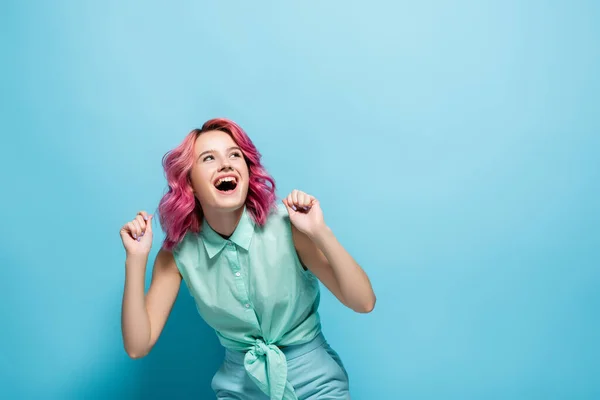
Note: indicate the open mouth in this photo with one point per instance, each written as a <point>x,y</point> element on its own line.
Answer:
<point>226,184</point>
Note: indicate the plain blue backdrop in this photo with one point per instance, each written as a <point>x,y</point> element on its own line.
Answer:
<point>455,148</point>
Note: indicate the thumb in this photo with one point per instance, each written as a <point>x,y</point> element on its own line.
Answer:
<point>149,224</point>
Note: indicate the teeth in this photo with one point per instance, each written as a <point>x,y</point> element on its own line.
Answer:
<point>226,179</point>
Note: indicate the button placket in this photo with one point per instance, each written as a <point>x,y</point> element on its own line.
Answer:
<point>234,262</point>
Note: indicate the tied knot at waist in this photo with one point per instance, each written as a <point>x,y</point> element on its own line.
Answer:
<point>261,348</point>
<point>267,367</point>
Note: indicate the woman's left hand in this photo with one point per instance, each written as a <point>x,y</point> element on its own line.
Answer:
<point>305,212</point>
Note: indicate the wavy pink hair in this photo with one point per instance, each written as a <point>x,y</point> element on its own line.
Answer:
<point>179,210</point>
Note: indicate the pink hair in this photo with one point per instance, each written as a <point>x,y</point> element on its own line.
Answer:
<point>180,211</point>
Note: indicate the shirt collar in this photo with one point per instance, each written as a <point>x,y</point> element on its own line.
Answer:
<point>242,235</point>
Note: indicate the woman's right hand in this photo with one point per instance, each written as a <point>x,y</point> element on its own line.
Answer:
<point>137,234</point>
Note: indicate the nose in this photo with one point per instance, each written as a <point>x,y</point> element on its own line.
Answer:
<point>225,165</point>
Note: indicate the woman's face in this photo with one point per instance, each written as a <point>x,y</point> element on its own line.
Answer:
<point>219,175</point>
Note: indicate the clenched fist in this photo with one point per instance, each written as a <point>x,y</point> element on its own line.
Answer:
<point>137,234</point>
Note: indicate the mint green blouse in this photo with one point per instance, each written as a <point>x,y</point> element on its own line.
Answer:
<point>254,292</point>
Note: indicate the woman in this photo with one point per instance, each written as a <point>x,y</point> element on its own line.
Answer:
<point>253,268</point>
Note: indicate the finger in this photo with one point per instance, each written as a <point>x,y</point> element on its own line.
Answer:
<point>305,200</point>
<point>144,215</point>
<point>295,197</point>
<point>290,206</point>
<point>137,231</point>
<point>149,224</point>
<point>125,230</point>
<point>287,205</point>
<point>301,201</point>
<point>300,197</point>
<point>290,202</point>
<point>130,229</point>
<point>142,223</point>
<point>141,228</point>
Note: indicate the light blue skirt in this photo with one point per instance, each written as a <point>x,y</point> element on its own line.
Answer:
<point>314,369</point>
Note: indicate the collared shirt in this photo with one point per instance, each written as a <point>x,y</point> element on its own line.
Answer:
<point>254,292</point>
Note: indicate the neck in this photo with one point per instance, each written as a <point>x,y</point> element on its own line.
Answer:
<point>223,222</point>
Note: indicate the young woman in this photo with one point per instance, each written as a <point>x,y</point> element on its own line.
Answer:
<point>252,266</point>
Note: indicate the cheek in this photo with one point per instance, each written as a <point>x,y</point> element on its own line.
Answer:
<point>200,181</point>
<point>246,179</point>
<point>244,171</point>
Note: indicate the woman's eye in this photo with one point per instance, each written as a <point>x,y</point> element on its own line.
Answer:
<point>207,158</point>
<point>236,154</point>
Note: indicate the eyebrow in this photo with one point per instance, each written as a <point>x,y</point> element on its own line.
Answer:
<point>212,151</point>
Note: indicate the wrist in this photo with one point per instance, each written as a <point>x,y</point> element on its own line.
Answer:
<point>320,234</point>
<point>136,259</point>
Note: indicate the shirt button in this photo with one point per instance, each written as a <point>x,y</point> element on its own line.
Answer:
<point>237,274</point>
<point>247,305</point>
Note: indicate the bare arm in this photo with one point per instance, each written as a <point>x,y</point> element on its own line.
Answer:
<point>322,253</point>
<point>334,266</point>
<point>143,316</point>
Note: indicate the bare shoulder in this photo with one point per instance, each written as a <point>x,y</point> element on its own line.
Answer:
<point>302,243</point>
<point>165,263</point>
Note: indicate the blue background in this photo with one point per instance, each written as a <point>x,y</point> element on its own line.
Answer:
<point>455,147</point>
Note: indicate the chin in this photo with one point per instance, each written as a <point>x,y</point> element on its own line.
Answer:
<point>229,201</point>
<point>228,206</point>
